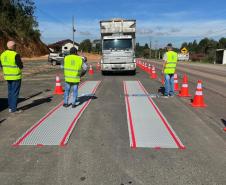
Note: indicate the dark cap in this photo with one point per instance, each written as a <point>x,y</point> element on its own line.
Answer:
<point>169,45</point>
<point>73,50</point>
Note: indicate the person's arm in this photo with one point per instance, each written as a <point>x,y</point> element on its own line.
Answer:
<point>84,68</point>
<point>19,62</point>
<point>164,62</point>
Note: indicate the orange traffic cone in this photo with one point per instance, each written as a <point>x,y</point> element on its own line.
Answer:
<point>153,73</point>
<point>149,69</point>
<point>145,67</point>
<point>225,129</point>
<point>91,72</point>
<point>176,85</point>
<point>163,80</point>
<point>184,92</point>
<point>198,100</point>
<point>58,88</point>
<point>98,66</point>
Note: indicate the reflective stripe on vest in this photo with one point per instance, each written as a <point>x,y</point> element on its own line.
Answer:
<point>171,62</point>
<point>10,70</point>
<point>72,68</point>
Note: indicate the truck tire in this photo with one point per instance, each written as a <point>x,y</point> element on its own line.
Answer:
<point>103,73</point>
<point>54,62</point>
<point>133,72</point>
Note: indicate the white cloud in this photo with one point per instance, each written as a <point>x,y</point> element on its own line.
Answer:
<point>52,31</point>
<point>183,28</point>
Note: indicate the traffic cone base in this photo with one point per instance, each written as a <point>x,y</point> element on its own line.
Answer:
<point>163,80</point>
<point>198,100</point>
<point>201,105</point>
<point>184,92</point>
<point>91,72</point>
<point>181,95</point>
<point>176,84</point>
<point>58,88</point>
<point>153,73</point>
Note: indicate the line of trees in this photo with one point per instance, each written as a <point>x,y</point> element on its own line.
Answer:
<point>204,50</point>
<point>17,19</point>
<point>87,46</point>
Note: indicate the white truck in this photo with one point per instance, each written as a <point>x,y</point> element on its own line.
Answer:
<point>118,45</point>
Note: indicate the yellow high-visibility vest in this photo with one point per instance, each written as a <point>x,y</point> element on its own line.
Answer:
<point>10,70</point>
<point>171,62</point>
<point>72,68</point>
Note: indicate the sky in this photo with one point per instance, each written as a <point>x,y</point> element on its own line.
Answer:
<point>158,21</point>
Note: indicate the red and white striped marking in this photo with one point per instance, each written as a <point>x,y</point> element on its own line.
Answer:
<point>56,127</point>
<point>147,125</point>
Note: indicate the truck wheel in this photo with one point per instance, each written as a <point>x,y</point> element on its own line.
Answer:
<point>54,62</point>
<point>103,73</point>
<point>133,72</point>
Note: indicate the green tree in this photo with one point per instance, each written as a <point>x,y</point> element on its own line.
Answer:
<point>85,46</point>
<point>222,43</point>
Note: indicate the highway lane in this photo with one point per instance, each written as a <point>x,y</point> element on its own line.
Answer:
<point>98,151</point>
<point>214,86</point>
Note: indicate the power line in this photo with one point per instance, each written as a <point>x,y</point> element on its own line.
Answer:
<point>52,17</point>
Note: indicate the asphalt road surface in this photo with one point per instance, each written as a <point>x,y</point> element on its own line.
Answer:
<point>98,151</point>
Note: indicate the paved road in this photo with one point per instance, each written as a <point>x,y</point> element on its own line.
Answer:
<point>214,82</point>
<point>98,152</point>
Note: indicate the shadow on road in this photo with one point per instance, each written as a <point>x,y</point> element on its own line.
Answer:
<point>119,73</point>
<point>85,98</point>
<point>224,122</point>
<point>1,121</point>
<point>161,90</point>
<point>4,101</point>
<point>36,103</point>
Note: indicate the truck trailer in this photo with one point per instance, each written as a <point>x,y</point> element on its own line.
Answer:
<point>118,45</point>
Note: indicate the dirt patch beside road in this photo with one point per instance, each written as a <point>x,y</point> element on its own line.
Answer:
<point>40,64</point>
<point>34,67</point>
<point>91,57</point>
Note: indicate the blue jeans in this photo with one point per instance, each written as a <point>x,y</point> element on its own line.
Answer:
<point>169,84</point>
<point>68,87</point>
<point>13,93</point>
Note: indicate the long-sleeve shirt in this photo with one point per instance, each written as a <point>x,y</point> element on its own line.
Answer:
<point>18,61</point>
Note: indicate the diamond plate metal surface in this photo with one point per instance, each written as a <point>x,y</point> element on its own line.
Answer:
<point>53,130</point>
<point>149,129</point>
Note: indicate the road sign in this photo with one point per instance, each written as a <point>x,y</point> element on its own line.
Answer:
<point>184,50</point>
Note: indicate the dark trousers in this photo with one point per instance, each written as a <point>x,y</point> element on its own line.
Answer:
<point>13,93</point>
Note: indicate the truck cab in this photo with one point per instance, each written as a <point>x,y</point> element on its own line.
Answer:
<point>118,44</point>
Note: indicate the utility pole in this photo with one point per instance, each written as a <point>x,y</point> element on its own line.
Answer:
<point>156,52</point>
<point>73,30</point>
<point>150,50</point>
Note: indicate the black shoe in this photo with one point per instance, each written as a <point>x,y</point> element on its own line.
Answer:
<point>65,105</point>
<point>17,111</point>
<point>73,106</point>
<point>165,96</point>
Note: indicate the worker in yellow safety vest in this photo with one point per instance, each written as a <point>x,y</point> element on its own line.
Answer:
<point>169,68</point>
<point>74,68</point>
<point>12,66</point>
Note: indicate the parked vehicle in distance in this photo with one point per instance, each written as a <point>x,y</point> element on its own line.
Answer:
<point>118,45</point>
<point>56,58</point>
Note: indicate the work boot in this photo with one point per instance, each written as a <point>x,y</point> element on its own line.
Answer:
<point>73,106</point>
<point>65,105</point>
<point>18,111</point>
<point>165,96</point>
